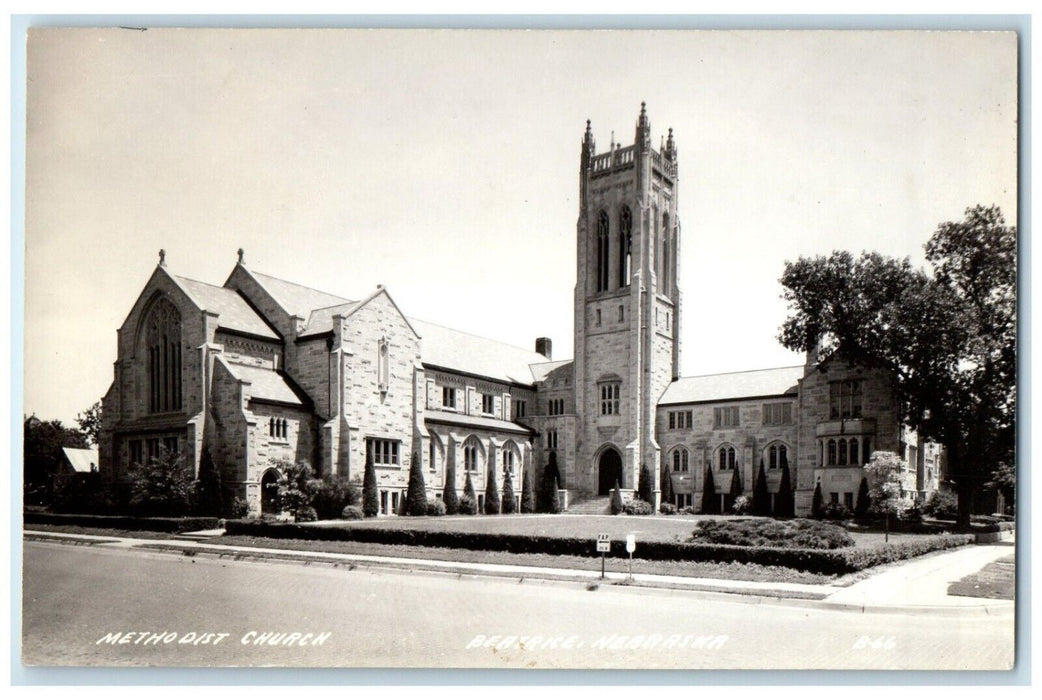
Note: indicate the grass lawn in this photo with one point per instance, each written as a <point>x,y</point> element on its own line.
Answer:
<point>996,580</point>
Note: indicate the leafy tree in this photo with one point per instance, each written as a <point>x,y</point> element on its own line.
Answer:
<point>644,486</point>
<point>416,498</point>
<point>334,495</point>
<point>1004,480</point>
<point>555,499</point>
<point>90,422</point>
<point>370,496</point>
<point>491,492</point>
<point>509,504</point>
<point>947,340</point>
<point>527,492</point>
<point>817,507</point>
<point>616,500</point>
<point>710,500</point>
<point>42,451</point>
<point>667,486</point>
<point>208,492</point>
<point>784,505</point>
<point>864,499</point>
<point>297,487</point>
<point>883,472</point>
<point>162,487</point>
<point>761,496</point>
<point>450,497</point>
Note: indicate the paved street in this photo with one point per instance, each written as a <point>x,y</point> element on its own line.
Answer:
<point>106,606</point>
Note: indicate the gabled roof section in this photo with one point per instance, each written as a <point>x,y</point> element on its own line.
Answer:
<point>321,320</point>
<point>233,313</point>
<point>81,459</point>
<point>733,386</point>
<point>542,370</point>
<point>268,384</point>
<point>296,299</point>
<point>472,354</point>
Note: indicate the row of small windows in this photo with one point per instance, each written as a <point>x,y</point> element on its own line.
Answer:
<point>729,416</point>
<point>278,428</point>
<point>725,417</point>
<point>845,399</point>
<point>382,452</point>
<point>679,420</point>
<point>843,451</point>
<point>610,398</point>
<point>555,407</point>
<point>151,448</point>
<point>726,457</point>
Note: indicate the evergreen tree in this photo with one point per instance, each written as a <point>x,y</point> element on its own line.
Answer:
<point>509,506</point>
<point>416,500</point>
<point>667,486</point>
<point>817,508</point>
<point>555,499</point>
<point>864,500</point>
<point>551,476</point>
<point>783,503</point>
<point>710,501</point>
<point>528,504</point>
<point>370,498</point>
<point>208,494</point>
<point>644,485</point>
<point>616,500</point>
<point>761,497</point>
<point>491,493</point>
<point>450,497</point>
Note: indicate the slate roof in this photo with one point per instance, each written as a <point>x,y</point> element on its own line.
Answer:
<point>321,320</point>
<point>472,354</point>
<point>483,422</point>
<point>733,386</point>
<point>267,384</point>
<point>297,299</point>
<point>543,369</point>
<point>232,310</point>
<point>81,459</point>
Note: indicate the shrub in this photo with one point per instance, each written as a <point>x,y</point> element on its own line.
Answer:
<point>416,499</point>
<point>616,500</point>
<point>710,501</point>
<point>84,493</point>
<point>941,505</point>
<point>644,485</point>
<point>689,510</point>
<point>468,505</point>
<point>333,495</point>
<point>122,522</point>
<point>297,487</point>
<point>742,505</point>
<point>554,505</point>
<point>667,509</point>
<point>836,511</point>
<point>864,500</point>
<point>450,497</point>
<point>491,493</point>
<point>784,505</point>
<point>638,507</point>
<point>509,504</point>
<point>799,533</point>
<point>761,496</point>
<point>352,513</point>
<point>370,496</point>
<point>306,514</point>
<point>163,487</point>
<point>435,507</point>
<point>238,508</point>
<point>527,492</point>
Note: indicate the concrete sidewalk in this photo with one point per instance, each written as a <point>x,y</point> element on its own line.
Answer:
<point>916,585</point>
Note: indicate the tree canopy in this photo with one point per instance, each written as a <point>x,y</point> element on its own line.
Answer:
<point>90,422</point>
<point>948,338</point>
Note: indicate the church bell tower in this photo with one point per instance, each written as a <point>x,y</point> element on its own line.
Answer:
<point>627,305</point>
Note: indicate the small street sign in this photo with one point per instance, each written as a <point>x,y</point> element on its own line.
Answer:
<point>603,543</point>
<point>631,543</point>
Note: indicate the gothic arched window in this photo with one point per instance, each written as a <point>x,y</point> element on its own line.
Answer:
<point>726,458</point>
<point>680,459</point>
<point>163,345</point>
<point>603,248</point>
<point>471,454</point>
<point>625,246</point>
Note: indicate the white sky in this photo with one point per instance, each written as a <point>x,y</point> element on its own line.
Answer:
<point>445,166</point>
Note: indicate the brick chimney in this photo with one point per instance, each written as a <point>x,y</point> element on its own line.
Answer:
<point>545,347</point>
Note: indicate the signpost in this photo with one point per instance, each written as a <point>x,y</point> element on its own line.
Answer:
<point>631,544</point>
<point>603,546</point>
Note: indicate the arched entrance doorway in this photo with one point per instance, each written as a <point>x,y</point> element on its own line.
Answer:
<point>270,492</point>
<point>609,471</point>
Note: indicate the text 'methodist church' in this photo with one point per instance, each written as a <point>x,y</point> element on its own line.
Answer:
<point>262,370</point>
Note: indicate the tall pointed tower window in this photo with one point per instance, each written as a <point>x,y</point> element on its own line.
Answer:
<point>664,256</point>
<point>163,345</point>
<point>625,246</point>
<point>602,252</point>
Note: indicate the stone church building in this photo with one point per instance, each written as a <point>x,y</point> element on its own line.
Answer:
<point>262,371</point>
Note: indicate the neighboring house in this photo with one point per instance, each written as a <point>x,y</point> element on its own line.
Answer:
<point>78,461</point>
<point>265,371</point>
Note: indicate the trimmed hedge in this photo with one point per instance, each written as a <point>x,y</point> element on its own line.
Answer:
<point>122,522</point>
<point>831,561</point>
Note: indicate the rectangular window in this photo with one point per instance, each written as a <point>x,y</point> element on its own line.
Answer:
<point>672,420</point>
<point>777,413</point>
<point>432,458</point>
<point>551,439</point>
<point>136,453</point>
<point>519,409</point>
<point>153,448</point>
<point>170,443</point>
<point>448,397</point>
<point>610,399</point>
<point>598,317</point>
<point>848,499</point>
<point>834,498</point>
<point>384,453</point>
<point>488,404</point>
<point>680,420</point>
<point>622,313</point>
<point>726,417</point>
<point>845,399</point>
